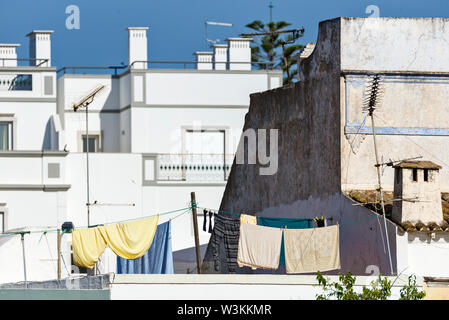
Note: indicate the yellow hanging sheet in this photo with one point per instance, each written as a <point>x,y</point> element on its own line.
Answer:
<point>130,240</point>
<point>88,245</point>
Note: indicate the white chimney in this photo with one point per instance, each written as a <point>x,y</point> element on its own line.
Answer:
<point>40,47</point>
<point>417,186</point>
<point>239,53</point>
<point>8,52</point>
<point>220,56</point>
<point>203,60</point>
<point>137,47</point>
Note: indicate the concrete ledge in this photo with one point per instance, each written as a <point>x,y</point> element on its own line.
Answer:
<point>238,279</point>
<point>38,187</point>
<point>33,153</point>
<point>52,294</point>
<point>27,99</point>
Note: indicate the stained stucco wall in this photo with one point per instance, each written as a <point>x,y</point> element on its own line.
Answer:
<point>412,121</point>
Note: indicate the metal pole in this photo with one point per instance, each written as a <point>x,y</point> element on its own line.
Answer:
<point>59,253</point>
<point>380,187</point>
<point>195,229</point>
<point>24,261</point>
<point>87,164</point>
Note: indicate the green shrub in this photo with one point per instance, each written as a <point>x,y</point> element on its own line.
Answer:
<point>380,289</point>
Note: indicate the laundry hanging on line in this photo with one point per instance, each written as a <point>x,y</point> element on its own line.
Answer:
<point>157,260</point>
<point>226,229</point>
<point>129,240</point>
<point>306,250</point>
<point>211,215</point>
<point>284,223</point>
<point>259,247</point>
<point>311,250</point>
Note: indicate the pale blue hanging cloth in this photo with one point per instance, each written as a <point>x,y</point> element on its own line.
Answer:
<point>158,259</point>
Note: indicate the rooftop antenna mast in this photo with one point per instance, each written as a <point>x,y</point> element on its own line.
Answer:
<point>222,24</point>
<point>84,103</point>
<point>375,91</point>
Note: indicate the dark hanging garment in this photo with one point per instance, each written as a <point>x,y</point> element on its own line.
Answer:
<point>226,229</point>
<point>204,219</point>
<point>211,214</point>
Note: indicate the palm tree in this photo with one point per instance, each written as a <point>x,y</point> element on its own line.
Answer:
<point>266,52</point>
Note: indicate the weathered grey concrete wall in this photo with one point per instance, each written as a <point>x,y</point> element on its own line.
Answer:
<point>306,115</point>
<point>308,181</point>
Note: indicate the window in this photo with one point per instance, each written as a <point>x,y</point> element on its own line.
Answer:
<point>94,143</point>
<point>205,155</point>
<point>6,135</point>
<point>426,175</point>
<point>415,175</point>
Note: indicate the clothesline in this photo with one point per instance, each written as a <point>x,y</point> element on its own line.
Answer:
<point>187,209</point>
<point>340,223</point>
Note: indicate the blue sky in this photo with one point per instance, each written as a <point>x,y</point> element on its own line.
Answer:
<point>176,26</point>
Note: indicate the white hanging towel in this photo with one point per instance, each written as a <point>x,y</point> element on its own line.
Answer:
<point>259,246</point>
<point>312,250</point>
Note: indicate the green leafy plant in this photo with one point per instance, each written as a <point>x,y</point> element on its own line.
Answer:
<point>267,49</point>
<point>410,292</point>
<point>380,289</point>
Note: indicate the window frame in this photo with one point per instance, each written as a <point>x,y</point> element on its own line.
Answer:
<point>12,131</point>
<point>97,134</point>
<point>209,128</point>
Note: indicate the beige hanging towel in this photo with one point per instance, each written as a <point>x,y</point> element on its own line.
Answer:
<point>312,250</point>
<point>246,218</point>
<point>259,246</point>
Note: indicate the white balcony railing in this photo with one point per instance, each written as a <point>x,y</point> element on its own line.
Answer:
<point>16,82</point>
<point>194,167</point>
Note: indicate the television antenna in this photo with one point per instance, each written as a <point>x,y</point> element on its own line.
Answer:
<point>372,102</point>
<point>84,103</point>
<point>213,23</point>
<point>296,34</point>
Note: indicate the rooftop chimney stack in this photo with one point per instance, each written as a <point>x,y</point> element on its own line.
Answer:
<point>203,60</point>
<point>8,54</point>
<point>40,47</point>
<point>239,53</point>
<point>417,193</point>
<point>137,47</point>
<point>220,56</point>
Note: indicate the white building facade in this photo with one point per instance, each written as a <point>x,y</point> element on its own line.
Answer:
<point>154,136</point>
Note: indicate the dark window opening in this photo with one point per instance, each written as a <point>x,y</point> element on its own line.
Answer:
<point>93,143</point>
<point>398,171</point>
<point>415,175</point>
<point>426,175</point>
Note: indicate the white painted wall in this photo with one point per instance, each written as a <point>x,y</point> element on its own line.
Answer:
<point>408,102</point>
<point>32,119</point>
<point>423,255</point>
<point>409,44</point>
<point>37,83</point>
<point>203,88</point>
<point>230,287</point>
<point>150,134</point>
